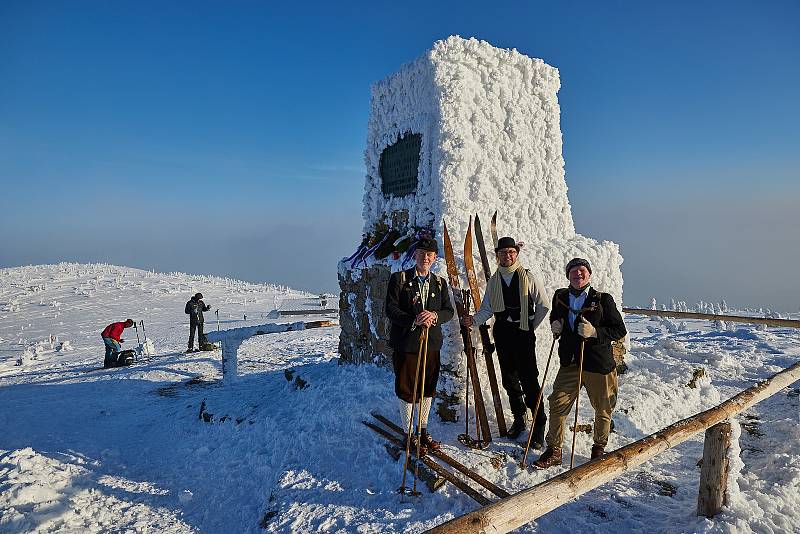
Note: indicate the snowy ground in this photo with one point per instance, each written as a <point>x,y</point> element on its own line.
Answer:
<point>88,450</point>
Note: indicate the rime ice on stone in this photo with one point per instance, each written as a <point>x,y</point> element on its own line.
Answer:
<point>488,129</point>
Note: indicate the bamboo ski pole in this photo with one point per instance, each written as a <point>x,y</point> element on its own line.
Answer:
<point>538,403</point>
<point>466,297</point>
<point>410,427</point>
<point>466,401</point>
<point>421,398</point>
<point>477,422</point>
<point>577,398</point>
<point>138,342</point>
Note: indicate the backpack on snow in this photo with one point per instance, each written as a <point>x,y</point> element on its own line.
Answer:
<point>121,359</point>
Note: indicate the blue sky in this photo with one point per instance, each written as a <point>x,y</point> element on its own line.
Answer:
<point>228,138</point>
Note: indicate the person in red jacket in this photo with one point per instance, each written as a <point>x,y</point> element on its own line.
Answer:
<point>112,339</point>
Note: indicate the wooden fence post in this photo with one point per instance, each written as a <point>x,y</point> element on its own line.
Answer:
<point>713,494</point>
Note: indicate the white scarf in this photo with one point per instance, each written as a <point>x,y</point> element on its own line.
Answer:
<point>495,287</point>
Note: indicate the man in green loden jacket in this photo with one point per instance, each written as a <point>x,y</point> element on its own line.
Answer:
<point>417,299</point>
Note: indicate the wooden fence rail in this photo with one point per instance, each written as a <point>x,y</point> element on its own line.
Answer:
<point>714,317</point>
<point>527,505</point>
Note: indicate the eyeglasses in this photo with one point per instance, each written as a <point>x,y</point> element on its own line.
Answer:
<point>507,252</point>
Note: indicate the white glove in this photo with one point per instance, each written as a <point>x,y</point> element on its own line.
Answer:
<point>556,327</point>
<point>585,329</point>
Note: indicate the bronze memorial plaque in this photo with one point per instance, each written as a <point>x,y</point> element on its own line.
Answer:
<point>399,164</point>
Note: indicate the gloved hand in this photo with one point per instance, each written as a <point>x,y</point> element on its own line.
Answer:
<point>122,341</point>
<point>585,329</point>
<point>556,327</point>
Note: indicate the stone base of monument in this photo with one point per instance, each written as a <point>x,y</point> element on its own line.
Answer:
<point>365,329</point>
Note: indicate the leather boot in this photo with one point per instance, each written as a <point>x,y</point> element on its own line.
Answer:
<point>597,451</point>
<point>416,441</point>
<point>518,426</point>
<point>550,458</point>
<point>537,440</point>
<point>428,442</point>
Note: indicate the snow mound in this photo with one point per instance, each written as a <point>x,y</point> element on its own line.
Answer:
<point>43,494</point>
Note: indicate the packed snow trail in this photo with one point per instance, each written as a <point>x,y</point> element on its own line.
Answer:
<point>92,450</point>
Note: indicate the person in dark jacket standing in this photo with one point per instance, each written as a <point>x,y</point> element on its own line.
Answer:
<point>518,302</point>
<point>417,299</point>
<point>582,314</point>
<point>112,339</point>
<point>194,309</point>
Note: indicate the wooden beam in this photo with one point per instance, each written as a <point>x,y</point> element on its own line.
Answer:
<point>790,323</point>
<point>712,495</point>
<point>532,503</point>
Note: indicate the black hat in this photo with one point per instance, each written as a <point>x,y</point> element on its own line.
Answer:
<point>198,296</point>
<point>577,262</point>
<point>429,244</point>
<point>506,242</point>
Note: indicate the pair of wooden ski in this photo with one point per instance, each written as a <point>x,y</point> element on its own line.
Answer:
<point>486,341</point>
<point>438,464</point>
<point>462,298</point>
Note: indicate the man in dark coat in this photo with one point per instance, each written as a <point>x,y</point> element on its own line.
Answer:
<point>194,309</point>
<point>517,300</point>
<point>417,299</point>
<point>581,314</point>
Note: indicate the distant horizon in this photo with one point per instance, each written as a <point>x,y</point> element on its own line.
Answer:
<point>691,302</point>
<point>193,138</point>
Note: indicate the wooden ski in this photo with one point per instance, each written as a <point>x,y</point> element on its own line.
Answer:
<point>462,307</point>
<point>396,448</point>
<point>440,472</point>
<point>486,341</point>
<point>449,460</point>
<point>487,269</point>
<point>495,239</point>
<point>469,264</point>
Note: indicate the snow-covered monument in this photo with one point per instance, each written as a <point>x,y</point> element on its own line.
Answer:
<point>466,128</point>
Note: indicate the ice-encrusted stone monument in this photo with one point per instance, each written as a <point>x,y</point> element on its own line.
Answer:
<point>466,128</point>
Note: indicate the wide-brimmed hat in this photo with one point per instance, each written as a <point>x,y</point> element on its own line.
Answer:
<point>429,244</point>
<point>198,296</point>
<point>506,242</point>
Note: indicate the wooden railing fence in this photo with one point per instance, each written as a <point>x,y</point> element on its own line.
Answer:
<point>527,505</point>
<point>715,317</point>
